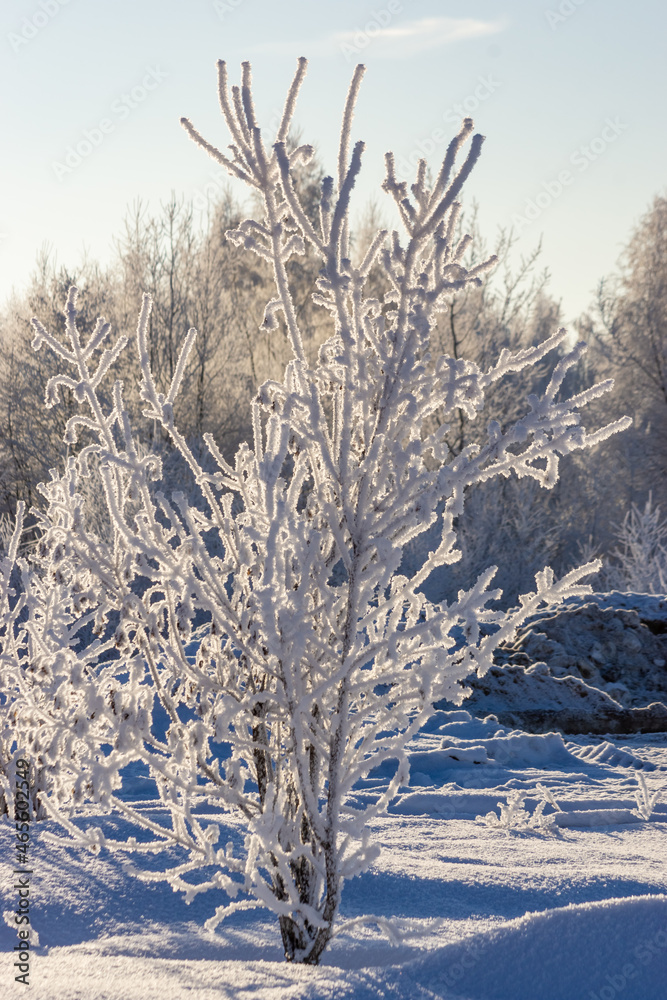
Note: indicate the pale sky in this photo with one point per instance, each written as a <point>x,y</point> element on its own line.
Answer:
<point>569,93</point>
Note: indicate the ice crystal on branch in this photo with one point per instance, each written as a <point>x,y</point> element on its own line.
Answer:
<point>314,660</point>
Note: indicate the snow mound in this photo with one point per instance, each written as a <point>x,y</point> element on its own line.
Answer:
<point>517,750</point>
<point>513,751</point>
<point>465,742</point>
<point>591,950</point>
<point>651,608</point>
<point>617,947</point>
<point>532,698</point>
<point>536,687</point>
<point>595,817</point>
<point>614,642</point>
<point>607,753</point>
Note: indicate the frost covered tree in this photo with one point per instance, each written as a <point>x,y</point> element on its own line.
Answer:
<point>638,563</point>
<point>259,650</point>
<point>31,441</point>
<point>10,661</point>
<point>628,330</point>
<point>40,616</point>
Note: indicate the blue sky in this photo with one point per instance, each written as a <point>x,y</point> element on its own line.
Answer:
<point>569,93</point>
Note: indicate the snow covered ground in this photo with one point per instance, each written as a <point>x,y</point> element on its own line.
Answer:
<point>578,910</point>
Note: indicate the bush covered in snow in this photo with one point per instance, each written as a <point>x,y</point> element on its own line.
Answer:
<point>638,563</point>
<point>259,650</point>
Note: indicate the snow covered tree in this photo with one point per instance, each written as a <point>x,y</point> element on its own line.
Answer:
<point>259,650</point>
<point>639,561</point>
<point>629,334</point>
<point>31,441</point>
<point>40,618</point>
<point>10,610</point>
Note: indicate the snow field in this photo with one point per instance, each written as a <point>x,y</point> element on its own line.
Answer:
<point>485,914</point>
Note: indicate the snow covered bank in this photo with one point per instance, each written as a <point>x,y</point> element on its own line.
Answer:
<point>595,664</point>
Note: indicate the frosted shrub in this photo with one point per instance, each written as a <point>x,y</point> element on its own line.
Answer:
<point>639,561</point>
<point>514,815</point>
<point>646,800</point>
<point>11,661</point>
<point>312,660</point>
<point>39,619</point>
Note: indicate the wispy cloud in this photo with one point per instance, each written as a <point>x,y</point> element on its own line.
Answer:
<point>399,41</point>
<point>396,41</point>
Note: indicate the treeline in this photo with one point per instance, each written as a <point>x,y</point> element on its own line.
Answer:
<point>197,279</point>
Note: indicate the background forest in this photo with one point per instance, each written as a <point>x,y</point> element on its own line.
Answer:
<point>606,503</point>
